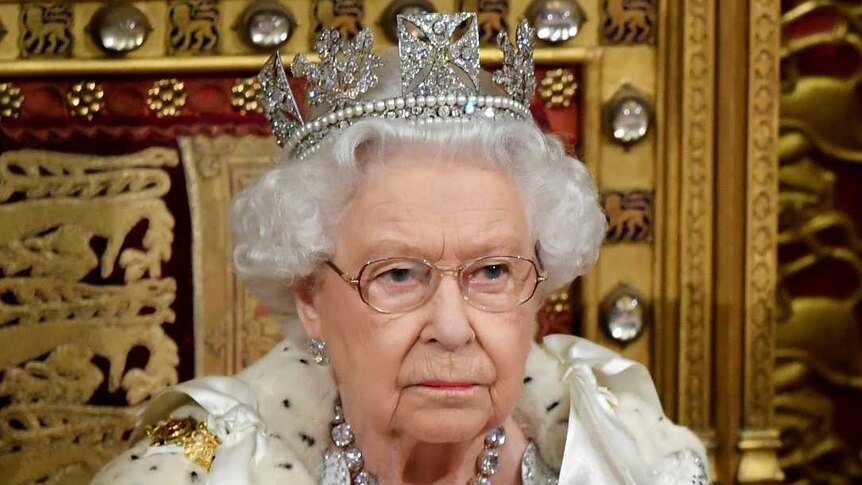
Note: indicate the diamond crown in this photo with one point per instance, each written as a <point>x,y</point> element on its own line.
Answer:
<point>439,64</point>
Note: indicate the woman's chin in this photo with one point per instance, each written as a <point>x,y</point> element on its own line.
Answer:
<point>446,425</point>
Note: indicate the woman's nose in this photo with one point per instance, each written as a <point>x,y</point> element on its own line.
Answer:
<point>449,324</point>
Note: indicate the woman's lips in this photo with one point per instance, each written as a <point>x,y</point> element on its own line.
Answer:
<point>449,385</point>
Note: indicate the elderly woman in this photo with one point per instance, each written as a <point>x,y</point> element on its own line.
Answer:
<point>414,226</point>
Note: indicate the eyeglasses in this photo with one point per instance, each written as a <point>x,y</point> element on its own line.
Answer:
<point>491,283</point>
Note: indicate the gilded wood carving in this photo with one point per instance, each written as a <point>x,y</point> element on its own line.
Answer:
<point>762,228</point>
<point>818,373</point>
<point>696,231</point>
<point>758,441</point>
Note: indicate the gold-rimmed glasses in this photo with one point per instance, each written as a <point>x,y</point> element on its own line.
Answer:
<point>489,283</point>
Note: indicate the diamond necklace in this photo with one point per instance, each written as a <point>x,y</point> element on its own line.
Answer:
<point>342,437</point>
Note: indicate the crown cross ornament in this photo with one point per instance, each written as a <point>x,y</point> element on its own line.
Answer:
<point>439,53</point>
<point>439,64</point>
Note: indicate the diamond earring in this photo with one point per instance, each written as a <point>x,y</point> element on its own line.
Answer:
<point>317,349</point>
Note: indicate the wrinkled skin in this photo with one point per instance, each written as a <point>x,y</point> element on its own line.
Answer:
<point>446,211</point>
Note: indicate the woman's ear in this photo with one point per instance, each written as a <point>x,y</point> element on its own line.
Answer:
<point>306,305</point>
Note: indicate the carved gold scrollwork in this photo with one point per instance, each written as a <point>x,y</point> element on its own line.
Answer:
<point>818,364</point>
<point>762,229</point>
<point>696,240</point>
<point>818,341</point>
<point>76,296</point>
<point>758,444</point>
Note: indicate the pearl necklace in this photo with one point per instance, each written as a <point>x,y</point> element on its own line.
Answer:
<point>343,440</point>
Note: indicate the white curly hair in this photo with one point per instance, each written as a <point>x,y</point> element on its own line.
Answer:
<point>283,224</point>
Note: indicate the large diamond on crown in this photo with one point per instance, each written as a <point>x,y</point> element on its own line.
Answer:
<point>439,54</point>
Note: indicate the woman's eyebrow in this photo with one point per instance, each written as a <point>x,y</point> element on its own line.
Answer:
<point>385,248</point>
<point>494,242</point>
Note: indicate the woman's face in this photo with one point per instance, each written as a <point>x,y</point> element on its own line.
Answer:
<point>405,374</point>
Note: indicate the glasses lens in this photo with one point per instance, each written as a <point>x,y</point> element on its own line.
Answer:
<point>397,284</point>
<point>499,283</point>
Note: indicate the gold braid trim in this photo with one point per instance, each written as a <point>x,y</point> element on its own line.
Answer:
<point>196,440</point>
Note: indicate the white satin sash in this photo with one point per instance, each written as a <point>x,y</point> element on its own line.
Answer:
<point>233,417</point>
<point>599,449</point>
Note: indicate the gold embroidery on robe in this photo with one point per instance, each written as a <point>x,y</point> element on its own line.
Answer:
<point>198,443</point>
